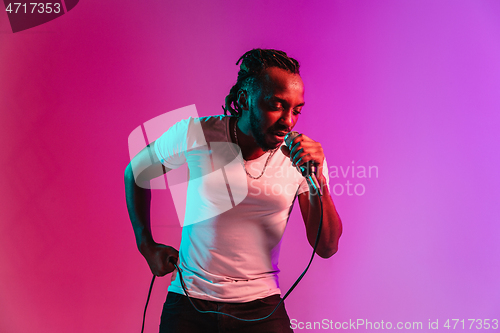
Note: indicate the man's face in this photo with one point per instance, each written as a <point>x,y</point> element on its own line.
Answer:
<point>274,108</point>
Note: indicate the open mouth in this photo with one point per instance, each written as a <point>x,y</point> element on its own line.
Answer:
<point>278,137</point>
<point>280,134</point>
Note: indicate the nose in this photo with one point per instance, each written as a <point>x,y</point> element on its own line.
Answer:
<point>287,119</point>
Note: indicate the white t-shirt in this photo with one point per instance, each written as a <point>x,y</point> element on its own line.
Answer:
<point>233,224</point>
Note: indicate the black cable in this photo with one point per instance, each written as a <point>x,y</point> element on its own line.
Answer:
<point>284,297</point>
<point>227,314</point>
<point>147,301</point>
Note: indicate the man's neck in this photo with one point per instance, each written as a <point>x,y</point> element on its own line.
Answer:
<point>243,136</point>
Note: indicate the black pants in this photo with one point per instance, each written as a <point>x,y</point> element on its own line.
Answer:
<point>179,316</point>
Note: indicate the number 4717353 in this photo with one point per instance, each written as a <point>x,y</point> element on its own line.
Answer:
<point>40,8</point>
<point>480,323</point>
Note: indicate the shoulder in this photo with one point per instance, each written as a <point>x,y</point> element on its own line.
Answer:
<point>213,120</point>
<point>215,128</point>
<point>194,123</point>
<point>200,129</point>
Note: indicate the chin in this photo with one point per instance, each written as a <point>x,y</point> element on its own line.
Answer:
<point>268,141</point>
<point>274,141</point>
<point>272,146</point>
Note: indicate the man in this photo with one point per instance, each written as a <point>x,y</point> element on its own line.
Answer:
<point>229,260</point>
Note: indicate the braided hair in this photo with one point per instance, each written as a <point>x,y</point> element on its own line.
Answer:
<point>253,65</point>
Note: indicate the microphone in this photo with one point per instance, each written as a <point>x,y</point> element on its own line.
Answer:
<point>308,170</point>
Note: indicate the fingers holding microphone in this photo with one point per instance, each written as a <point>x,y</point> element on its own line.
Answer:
<point>302,149</point>
<point>307,156</point>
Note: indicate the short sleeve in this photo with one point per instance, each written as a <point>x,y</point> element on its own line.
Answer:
<point>171,147</point>
<point>305,188</point>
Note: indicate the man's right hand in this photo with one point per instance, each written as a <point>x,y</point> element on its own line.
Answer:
<point>160,258</point>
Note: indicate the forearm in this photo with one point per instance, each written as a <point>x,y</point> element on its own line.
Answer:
<point>159,257</point>
<point>138,205</point>
<point>332,225</point>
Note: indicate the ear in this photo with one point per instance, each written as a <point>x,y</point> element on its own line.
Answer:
<point>243,99</point>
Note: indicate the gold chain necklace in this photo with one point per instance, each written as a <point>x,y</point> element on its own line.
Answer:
<point>244,162</point>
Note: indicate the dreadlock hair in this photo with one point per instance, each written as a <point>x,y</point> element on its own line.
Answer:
<point>253,65</point>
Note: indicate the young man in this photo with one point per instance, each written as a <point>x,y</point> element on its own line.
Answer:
<point>229,260</point>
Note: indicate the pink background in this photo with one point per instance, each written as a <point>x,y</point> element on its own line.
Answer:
<point>411,87</point>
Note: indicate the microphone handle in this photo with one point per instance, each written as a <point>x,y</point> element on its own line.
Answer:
<point>313,181</point>
<point>307,170</point>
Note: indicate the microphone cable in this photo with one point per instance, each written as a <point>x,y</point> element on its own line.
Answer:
<point>147,301</point>
<point>229,315</point>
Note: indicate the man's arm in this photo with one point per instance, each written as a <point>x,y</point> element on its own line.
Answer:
<point>144,167</point>
<point>306,150</point>
<point>332,226</point>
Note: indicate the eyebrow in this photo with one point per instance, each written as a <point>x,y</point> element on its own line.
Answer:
<point>282,101</point>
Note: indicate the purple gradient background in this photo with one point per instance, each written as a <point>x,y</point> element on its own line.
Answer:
<point>409,86</point>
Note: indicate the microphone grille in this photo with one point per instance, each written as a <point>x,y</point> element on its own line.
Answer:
<point>290,136</point>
